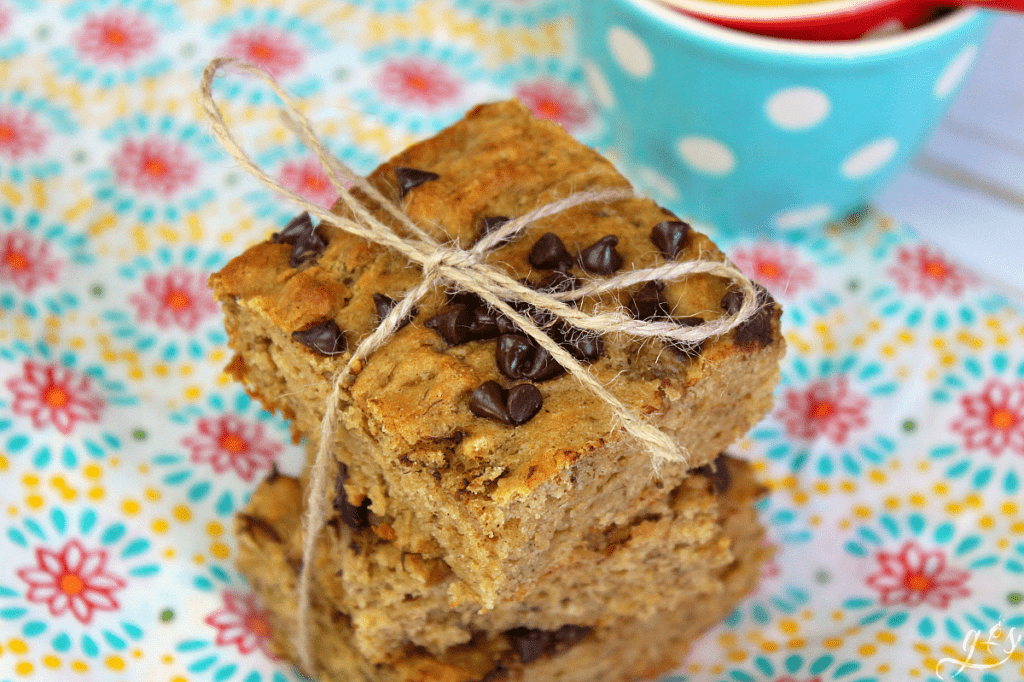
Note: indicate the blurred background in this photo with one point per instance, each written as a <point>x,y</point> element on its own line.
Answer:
<point>965,189</point>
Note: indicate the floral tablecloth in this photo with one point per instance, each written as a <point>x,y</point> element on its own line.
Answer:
<point>894,453</point>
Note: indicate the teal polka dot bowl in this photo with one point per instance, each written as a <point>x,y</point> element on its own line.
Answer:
<point>762,135</point>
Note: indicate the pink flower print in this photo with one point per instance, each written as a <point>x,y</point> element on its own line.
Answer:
<point>914,576</point>
<point>555,102</point>
<point>51,394</point>
<point>776,267</point>
<point>26,262</point>
<point>272,50</point>
<point>20,135</point>
<point>416,82</point>
<point>994,418</point>
<point>925,270</point>
<point>5,17</point>
<point>72,579</point>
<point>824,408</point>
<point>242,623</point>
<point>155,165</point>
<point>177,299</point>
<point>232,443</point>
<point>308,179</point>
<point>118,36</point>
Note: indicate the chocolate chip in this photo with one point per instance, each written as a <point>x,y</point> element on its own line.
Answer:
<point>732,301</point>
<point>306,242</point>
<point>410,178</point>
<point>717,472</point>
<point>491,224</point>
<point>325,338</point>
<point>568,635</point>
<point>356,518</point>
<point>757,330</point>
<point>485,323</point>
<point>523,402</point>
<point>452,324</point>
<point>385,304</point>
<point>529,643</point>
<point>648,302</point>
<point>549,253</point>
<point>687,349</point>
<point>256,522</point>
<point>307,247</point>
<point>583,345</point>
<point>601,257</point>
<point>518,357</point>
<point>671,237</point>
<point>556,282</point>
<point>298,225</point>
<point>489,401</point>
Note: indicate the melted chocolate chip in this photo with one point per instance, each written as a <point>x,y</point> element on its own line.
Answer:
<point>410,178</point>
<point>485,323</point>
<point>298,225</point>
<point>648,302</point>
<point>356,518</point>
<point>325,338</point>
<point>687,349</point>
<point>452,324</point>
<point>732,301</point>
<point>529,643</point>
<point>757,330</point>
<point>252,522</point>
<point>717,472</point>
<point>671,237</point>
<point>489,401</point>
<point>385,304</point>
<point>518,357</point>
<point>523,402</point>
<point>549,253</point>
<point>601,257</point>
<point>568,635</point>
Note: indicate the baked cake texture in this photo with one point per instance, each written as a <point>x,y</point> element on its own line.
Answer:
<point>674,551</point>
<point>631,583</point>
<point>459,432</point>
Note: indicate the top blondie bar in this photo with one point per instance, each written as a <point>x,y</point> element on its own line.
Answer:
<point>499,483</point>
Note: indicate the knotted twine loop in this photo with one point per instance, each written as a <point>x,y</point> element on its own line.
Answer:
<point>463,270</point>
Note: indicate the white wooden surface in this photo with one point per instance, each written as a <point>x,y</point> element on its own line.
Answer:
<point>965,190</point>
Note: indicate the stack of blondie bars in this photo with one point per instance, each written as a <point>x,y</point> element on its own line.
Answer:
<point>490,520</point>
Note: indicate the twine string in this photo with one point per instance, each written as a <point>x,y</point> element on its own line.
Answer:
<point>462,270</point>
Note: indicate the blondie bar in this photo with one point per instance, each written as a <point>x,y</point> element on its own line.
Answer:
<point>461,431</point>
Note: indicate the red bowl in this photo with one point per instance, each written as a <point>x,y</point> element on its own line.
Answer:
<point>825,20</point>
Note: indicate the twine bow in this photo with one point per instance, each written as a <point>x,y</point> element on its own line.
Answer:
<point>465,270</point>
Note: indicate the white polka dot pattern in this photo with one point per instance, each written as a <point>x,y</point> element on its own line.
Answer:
<point>630,52</point>
<point>798,108</point>
<point>869,158</point>
<point>706,155</point>
<point>598,85</point>
<point>803,216</point>
<point>955,72</point>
